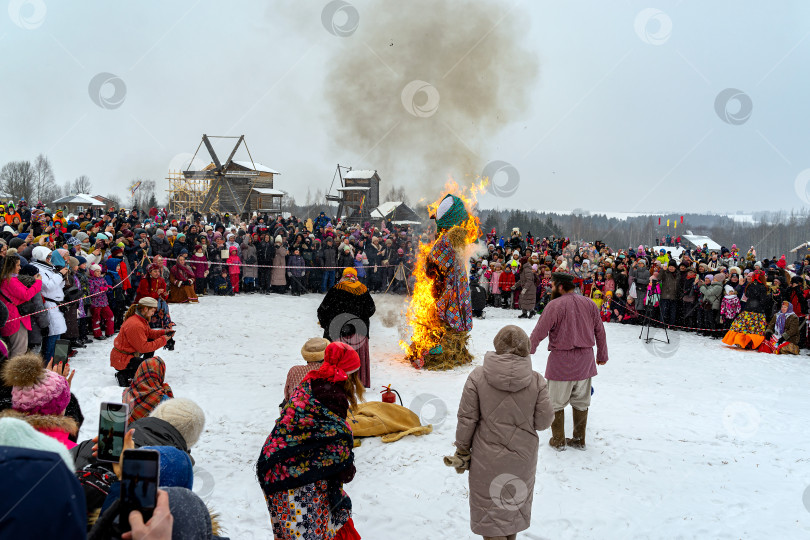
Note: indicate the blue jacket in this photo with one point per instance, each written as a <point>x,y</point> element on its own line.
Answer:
<point>46,498</point>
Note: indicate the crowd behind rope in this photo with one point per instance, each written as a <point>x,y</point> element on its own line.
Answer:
<point>116,273</point>
<point>688,288</point>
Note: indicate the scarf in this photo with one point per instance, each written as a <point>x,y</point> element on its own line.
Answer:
<point>781,319</point>
<point>350,284</point>
<point>147,389</point>
<point>308,443</point>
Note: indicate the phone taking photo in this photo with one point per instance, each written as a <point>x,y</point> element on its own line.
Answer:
<point>61,351</point>
<point>112,426</point>
<point>140,477</point>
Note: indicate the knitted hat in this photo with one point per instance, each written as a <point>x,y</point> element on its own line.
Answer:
<point>19,433</point>
<point>729,289</point>
<point>349,272</point>
<point>512,339</point>
<point>313,349</point>
<point>95,268</point>
<point>35,389</point>
<point>175,467</point>
<point>184,415</point>
<point>146,301</point>
<point>278,239</point>
<point>619,292</point>
<point>710,277</point>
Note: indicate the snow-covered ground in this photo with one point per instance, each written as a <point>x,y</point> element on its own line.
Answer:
<point>687,440</point>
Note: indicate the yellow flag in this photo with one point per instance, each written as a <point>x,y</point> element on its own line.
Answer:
<point>676,224</point>
<point>667,223</point>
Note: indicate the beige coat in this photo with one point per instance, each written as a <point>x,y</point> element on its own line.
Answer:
<point>278,276</point>
<point>503,405</point>
<point>528,290</point>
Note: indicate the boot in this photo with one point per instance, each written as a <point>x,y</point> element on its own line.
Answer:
<point>557,440</point>
<point>523,315</point>
<point>531,314</point>
<point>580,421</point>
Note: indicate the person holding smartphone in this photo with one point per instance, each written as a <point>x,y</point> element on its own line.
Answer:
<point>53,280</point>
<point>136,340</point>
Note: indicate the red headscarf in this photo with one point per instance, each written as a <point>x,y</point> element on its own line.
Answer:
<point>759,275</point>
<point>339,361</point>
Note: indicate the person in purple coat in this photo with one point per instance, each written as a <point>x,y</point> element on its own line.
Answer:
<point>573,326</point>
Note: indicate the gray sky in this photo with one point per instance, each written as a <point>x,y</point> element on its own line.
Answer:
<point>622,116</point>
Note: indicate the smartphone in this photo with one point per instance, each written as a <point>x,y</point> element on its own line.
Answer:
<point>112,425</point>
<point>140,477</point>
<point>61,351</point>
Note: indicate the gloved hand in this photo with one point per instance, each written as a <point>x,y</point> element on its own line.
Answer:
<point>768,335</point>
<point>781,340</point>
<point>460,461</point>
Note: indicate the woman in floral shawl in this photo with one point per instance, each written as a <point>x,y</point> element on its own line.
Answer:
<point>147,390</point>
<point>308,456</point>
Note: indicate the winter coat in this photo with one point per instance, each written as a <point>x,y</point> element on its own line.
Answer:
<point>329,257</point>
<point>495,283</point>
<point>250,259</point>
<point>641,277</point>
<point>54,503</point>
<point>200,265</point>
<point>181,273</point>
<point>97,286</point>
<point>756,298</point>
<point>503,405</point>
<point>506,282</point>
<point>712,293</point>
<point>12,289</point>
<point>340,301</point>
<point>52,293</point>
<point>528,289</point>
<point>296,264</point>
<point>159,245</point>
<point>39,317</point>
<point>670,285</point>
<point>278,277</point>
<point>135,336</point>
<point>791,332</point>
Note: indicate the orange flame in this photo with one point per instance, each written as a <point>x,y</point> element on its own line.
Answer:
<point>421,314</point>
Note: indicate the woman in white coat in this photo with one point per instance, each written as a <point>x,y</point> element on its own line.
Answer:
<point>53,281</point>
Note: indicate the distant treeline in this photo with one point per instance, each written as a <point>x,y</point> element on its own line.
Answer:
<point>771,233</point>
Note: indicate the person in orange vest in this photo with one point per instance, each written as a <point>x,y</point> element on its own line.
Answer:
<point>11,213</point>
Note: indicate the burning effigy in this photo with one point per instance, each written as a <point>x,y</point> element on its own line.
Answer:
<point>440,312</point>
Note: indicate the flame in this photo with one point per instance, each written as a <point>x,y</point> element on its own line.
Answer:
<point>421,313</point>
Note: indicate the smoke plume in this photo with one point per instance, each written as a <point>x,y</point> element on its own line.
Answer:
<point>422,87</point>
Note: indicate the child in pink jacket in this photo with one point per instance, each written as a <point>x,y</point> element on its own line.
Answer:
<point>234,263</point>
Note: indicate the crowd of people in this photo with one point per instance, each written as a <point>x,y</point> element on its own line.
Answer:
<point>115,274</point>
<point>747,301</point>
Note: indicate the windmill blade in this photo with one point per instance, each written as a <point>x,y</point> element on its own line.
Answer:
<point>214,157</point>
<point>233,152</point>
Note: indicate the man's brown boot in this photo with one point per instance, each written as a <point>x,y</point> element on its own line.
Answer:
<point>557,440</point>
<point>580,421</point>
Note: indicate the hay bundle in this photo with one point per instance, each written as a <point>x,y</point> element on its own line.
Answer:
<point>454,352</point>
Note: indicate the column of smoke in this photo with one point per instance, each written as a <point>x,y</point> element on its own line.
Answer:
<point>471,52</point>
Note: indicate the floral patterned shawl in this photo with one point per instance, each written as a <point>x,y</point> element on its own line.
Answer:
<point>308,443</point>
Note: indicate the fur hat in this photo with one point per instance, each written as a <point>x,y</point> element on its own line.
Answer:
<point>19,433</point>
<point>512,339</point>
<point>314,348</point>
<point>184,415</point>
<point>35,389</point>
<point>619,292</point>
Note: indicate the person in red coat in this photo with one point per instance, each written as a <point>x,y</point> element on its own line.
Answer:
<point>136,341</point>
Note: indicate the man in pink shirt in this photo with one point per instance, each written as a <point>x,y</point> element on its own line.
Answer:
<point>573,326</point>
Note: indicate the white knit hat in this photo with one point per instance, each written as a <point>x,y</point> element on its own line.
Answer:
<point>184,415</point>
